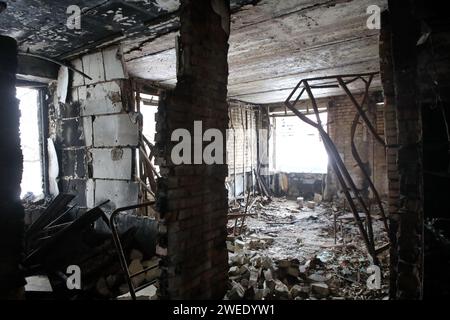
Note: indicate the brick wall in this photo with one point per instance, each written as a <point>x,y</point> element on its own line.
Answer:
<point>407,221</point>
<point>192,199</point>
<point>341,113</point>
<point>242,156</point>
<point>96,133</point>
<point>417,83</point>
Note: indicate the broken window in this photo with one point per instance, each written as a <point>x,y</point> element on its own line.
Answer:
<point>148,172</point>
<point>30,143</point>
<point>149,108</point>
<point>297,146</point>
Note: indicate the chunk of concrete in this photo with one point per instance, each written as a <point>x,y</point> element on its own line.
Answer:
<point>321,290</point>
<point>300,291</point>
<point>281,290</point>
<point>237,292</point>
<point>315,277</point>
<point>135,267</point>
<point>311,205</point>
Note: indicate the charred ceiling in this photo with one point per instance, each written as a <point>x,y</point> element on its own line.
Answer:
<point>273,44</point>
<point>45,31</point>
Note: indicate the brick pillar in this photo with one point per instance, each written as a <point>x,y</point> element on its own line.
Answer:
<point>390,129</point>
<point>11,166</point>
<point>408,249</point>
<point>192,199</point>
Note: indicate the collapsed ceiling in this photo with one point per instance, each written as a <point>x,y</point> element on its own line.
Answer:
<point>273,44</point>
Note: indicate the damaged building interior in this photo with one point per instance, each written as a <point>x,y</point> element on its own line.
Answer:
<point>313,137</point>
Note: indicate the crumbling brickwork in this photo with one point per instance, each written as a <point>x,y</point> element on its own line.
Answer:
<point>11,167</point>
<point>192,199</point>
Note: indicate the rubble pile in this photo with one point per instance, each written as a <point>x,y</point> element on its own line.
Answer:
<point>288,253</point>
<point>253,276</point>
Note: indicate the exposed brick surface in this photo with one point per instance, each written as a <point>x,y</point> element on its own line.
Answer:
<point>341,113</point>
<point>192,199</point>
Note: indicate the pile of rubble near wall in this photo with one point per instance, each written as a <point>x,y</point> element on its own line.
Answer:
<point>256,277</point>
<point>334,273</point>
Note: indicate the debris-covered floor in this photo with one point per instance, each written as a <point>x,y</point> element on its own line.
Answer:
<point>59,235</point>
<point>289,253</point>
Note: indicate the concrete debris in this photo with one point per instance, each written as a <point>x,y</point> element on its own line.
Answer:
<point>237,291</point>
<point>281,291</point>
<point>311,205</point>
<point>135,267</point>
<point>136,255</point>
<point>320,289</point>
<point>318,198</point>
<point>300,202</point>
<point>316,277</point>
<point>287,255</point>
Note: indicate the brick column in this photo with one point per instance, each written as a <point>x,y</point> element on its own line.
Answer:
<point>192,199</point>
<point>11,167</point>
<point>408,250</point>
<point>390,129</point>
